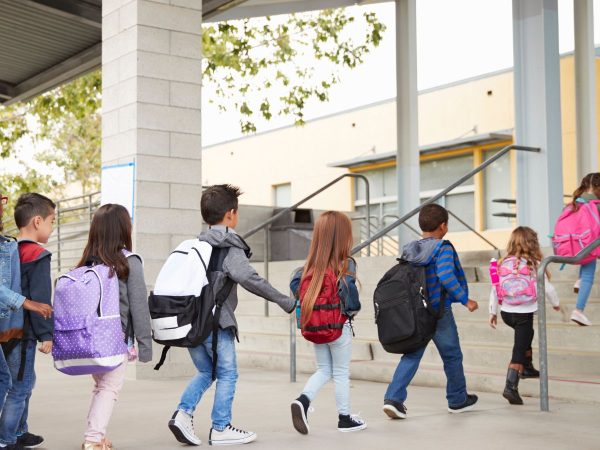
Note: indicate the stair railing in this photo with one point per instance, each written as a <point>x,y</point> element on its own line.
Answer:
<point>266,224</point>
<point>541,300</point>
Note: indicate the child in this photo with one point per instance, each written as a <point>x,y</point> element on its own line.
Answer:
<point>328,260</point>
<point>34,216</point>
<point>588,190</point>
<point>219,207</point>
<point>445,283</point>
<point>517,273</point>
<point>11,315</point>
<point>109,237</point>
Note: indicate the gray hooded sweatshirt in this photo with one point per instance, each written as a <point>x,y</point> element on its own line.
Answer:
<point>421,253</point>
<point>236,266</point>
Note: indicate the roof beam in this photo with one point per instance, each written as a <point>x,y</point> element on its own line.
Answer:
<point>80,11</point>
<point>63,72</point>
<point>7,90</point>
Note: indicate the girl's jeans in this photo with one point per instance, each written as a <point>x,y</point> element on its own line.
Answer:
<point>586,275</point>
<point>227,376</point>
<point>333,360</point>
<point>104,396</point>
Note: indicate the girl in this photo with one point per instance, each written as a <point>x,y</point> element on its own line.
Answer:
<point>109,238</point>
<point>516,291</point>
<point>326,287</point>
<point>588,190</point>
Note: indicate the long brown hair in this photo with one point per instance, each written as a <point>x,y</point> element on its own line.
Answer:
<point>329,249</point>
<point>591,180</point>
<point>110,233</point>
<point>524,243</point>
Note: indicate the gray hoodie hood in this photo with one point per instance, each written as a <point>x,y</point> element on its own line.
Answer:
<point>224,237</point>
<point>421,253</point>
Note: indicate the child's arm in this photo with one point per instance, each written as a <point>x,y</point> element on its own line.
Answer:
<point>138,308</point>
<point>493,307</point>
<point>238,268</point>
<point>40,286</point>
<point>444,268</point>
<point>295,282</point>
<point>10,300</point>
<point>552,296</point>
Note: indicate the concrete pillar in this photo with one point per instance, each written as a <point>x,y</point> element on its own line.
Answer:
<point>151,72</point>
<point>407,132</point>
<point>585,87</point>
<point>537,114</point>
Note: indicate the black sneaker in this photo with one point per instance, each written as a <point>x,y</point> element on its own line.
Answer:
<point>350,423</point>
<point>300,414</point>
<point>16,446</point>
<point>30,440</point>
<point>467,405</point>
<point>394,409</point>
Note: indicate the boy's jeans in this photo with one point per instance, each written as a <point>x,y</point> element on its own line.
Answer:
<point>13,421</point>
<point>586,274</point>
<point>448,345</point>
<point>227,376</point>
<point>333,361</point>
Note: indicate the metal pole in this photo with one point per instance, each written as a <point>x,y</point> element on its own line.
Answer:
<point>368,197</point>
<point>293,347</point>
<point>440,194</point>
<point>266,264</point>
<point>543,344</point>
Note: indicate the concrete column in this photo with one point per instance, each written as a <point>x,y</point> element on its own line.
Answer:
<point>585,88</point>
<point>407,131</point>
<point>537,114</point>
<point>151,71</point>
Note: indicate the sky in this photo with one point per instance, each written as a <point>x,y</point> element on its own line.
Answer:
<point>455,40</point>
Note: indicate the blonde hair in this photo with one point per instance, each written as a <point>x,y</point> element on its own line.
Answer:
<point>524,243</point>
<point>329,249</point>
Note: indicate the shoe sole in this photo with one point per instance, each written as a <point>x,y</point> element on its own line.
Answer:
<point>461,410</point>
<point>393,413</point>
<point>246,440</point>
<point>526,377</point>
<point>180,434</point>
<point>33,446</point>
<point>350,430</point>
<point>299,419</point>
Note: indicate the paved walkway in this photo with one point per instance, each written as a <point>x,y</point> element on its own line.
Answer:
<point>60,402</point>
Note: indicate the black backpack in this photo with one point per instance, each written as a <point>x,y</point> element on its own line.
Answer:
<point>199,314</point>
<point>404,316</point>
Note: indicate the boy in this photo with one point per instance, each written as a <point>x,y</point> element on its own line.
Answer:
<point>34,216</point>
<point>444,275</point>
<point>219,207</point>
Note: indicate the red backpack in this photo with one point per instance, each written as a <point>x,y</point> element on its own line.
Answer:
<point>326,321</point>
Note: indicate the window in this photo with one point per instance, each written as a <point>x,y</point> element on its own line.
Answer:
<point>282,195</point>
<point>497,185</point>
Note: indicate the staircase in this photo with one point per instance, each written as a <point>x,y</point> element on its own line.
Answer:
<point>573,351</point>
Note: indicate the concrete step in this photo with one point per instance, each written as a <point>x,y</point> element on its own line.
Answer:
<point>580,388</point>
<point>560,335</point>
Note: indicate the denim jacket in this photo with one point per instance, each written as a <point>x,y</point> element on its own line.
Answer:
<point>10,278</point>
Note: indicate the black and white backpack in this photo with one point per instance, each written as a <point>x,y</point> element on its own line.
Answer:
<point>188,295</point>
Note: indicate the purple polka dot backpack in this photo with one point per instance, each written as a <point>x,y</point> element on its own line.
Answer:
<point>88,337</point>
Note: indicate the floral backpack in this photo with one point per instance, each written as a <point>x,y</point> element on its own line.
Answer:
<point>517,283</point>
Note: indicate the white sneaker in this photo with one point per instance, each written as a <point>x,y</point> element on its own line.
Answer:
<point>579,318</point>
<point>230,436</point>
<point>182,426</point>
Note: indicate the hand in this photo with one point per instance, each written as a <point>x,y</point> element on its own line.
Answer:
<point>472,305</point>
<point>493,320</point>
<point>40,308</point>
<point>46,347</point>
<point>556,308</point>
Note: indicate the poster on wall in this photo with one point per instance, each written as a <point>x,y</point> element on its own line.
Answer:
<point>118,185</point>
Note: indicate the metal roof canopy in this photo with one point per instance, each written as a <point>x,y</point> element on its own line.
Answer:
<point>46,43</point>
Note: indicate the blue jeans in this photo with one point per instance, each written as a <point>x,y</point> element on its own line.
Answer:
<point>5,379</point>
<point>448,345</point>
<point>586,275</point>
<point>333,361</point>
<point>227,376</point>
<point>13,420</point>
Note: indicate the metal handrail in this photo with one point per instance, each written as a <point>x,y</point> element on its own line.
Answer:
<point>477,233</point>
<point>442,193</point>
<point>541,292</point>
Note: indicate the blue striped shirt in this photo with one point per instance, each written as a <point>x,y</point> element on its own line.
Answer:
<point>445,271</point>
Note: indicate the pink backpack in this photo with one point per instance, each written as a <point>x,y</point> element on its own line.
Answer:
<point>575,230</point>
<point>517,282</point>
